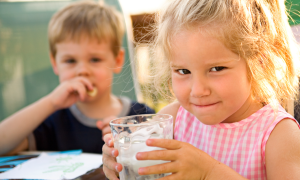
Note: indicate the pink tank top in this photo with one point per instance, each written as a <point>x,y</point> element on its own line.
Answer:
<point>239,145</point>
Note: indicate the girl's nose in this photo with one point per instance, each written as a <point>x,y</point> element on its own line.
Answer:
<point>83,69</point>
<point>199,88</point>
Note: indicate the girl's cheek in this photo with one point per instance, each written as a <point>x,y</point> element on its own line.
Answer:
<point>180,90</point>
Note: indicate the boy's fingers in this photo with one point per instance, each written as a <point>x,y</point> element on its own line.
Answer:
<point>99,125</point>
<point>165,143</point>
<point>104,126</point>
<point>80,89</point>
<point>106,130</point>
<point>105,122</point>
<point>85,82</point>
<point>82,86</point>
<point>108,119</point>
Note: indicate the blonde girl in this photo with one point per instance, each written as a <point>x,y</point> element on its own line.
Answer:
<point>232,66</point>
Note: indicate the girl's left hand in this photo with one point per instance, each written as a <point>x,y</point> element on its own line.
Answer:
<point>187,161</point>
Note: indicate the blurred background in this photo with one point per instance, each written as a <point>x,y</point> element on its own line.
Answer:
<point>25,70</point>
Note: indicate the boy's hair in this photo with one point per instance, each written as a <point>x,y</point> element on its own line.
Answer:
<point>256,30</point>
<point>86,19</point>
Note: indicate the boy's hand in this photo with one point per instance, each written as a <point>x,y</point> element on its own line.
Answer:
<point>110,165</point>
<point>187,161</point>
<point>104,125</point>
<point>69,92</point>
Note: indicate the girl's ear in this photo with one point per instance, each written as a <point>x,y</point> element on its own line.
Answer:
<point>53,63</point>
<point>119,61</point>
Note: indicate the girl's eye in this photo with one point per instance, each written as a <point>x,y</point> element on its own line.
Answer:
<point>95,60</point>
<point>218,68</point>
<point>70,61</point>
<point>183,71</point>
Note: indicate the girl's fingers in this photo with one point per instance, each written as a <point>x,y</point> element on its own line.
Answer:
<point>165,155</point>
<point>165,143</point>
<point>110,174</point>
<point>108,139</point>
<point>111,163</point>
<point>158,169</point>
<point>170,177</point>
<point>108,151</point>
<point>109,154</point>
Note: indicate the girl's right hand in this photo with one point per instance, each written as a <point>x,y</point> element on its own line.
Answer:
<point>110,166</point>
<point>69,92</point>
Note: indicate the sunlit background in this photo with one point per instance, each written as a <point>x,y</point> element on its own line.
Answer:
<point>25,70</point>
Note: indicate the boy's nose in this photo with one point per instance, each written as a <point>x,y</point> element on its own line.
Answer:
<point>199,88</point>
<point>83,70</point>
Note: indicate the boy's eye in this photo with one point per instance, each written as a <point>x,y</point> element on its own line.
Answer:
<point>95,59</point>
<point>218,68</point>
<point>183,71</point>
<point>70,61</point>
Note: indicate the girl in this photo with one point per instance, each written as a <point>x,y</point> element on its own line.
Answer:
<point>231,67</point>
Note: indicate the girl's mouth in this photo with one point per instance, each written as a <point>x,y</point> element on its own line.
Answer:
<point>206,105</point>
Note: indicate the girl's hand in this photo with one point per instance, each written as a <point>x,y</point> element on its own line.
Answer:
<point>187,162</point>
<point>104,125</point>
<point>110,166</point>
<point>69,92</point>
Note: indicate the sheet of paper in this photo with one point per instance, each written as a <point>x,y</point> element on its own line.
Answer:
<point>59,166</point>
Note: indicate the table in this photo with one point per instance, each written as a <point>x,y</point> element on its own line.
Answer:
<point>91,175</point>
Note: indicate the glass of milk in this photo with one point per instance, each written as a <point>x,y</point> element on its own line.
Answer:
<point>130,134</point>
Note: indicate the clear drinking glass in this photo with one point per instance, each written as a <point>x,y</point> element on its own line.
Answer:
<point>130,134</point>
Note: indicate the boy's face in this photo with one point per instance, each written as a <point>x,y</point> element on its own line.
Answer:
<point>89,59</point>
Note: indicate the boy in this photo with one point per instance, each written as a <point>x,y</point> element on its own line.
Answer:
<point>85,50</point>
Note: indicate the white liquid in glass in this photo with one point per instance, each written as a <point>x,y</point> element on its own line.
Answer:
<point>130,145</point>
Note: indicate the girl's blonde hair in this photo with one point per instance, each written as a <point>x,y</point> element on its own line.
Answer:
<point>256,30</point>
<point>86,19</point>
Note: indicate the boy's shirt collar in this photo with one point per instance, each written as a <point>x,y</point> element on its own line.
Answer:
<point>92,122</point>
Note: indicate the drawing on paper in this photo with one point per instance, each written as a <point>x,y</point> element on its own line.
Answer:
<point>60,159</point>
<point>65,168</point>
